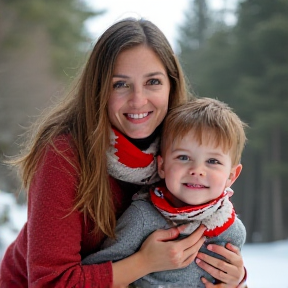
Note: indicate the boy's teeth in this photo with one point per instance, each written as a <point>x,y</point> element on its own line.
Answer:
<point>195,185</point>
<point>138,116</point>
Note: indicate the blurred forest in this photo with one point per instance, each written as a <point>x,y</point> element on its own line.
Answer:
<point>42,46</point>
<point>44,43</point>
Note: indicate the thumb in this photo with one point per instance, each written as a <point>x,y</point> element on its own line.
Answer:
<point>206,282</point>
<point>166,235</point>
<point>211,285</point>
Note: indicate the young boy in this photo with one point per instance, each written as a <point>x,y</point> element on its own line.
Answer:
<point>201,147</point>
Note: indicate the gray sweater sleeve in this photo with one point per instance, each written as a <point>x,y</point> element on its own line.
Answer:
<point>131,230</point>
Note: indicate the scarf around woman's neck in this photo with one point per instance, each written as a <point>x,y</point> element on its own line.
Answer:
<point>217,215</point>
<point>128,163</point>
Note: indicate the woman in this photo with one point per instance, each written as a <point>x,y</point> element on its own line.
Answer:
<point>129,82</point>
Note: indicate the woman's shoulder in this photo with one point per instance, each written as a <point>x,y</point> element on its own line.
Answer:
<point>61,152</point>
<point>63,142</point>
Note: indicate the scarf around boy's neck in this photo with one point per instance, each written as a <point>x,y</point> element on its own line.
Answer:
<point>128,163</point>
<point>217,215</point>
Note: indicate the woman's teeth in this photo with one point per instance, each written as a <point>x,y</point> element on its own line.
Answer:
<point>138,116</point>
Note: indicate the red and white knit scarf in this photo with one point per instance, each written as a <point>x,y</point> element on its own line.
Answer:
<point>217,215</point>
<point>128,163</point>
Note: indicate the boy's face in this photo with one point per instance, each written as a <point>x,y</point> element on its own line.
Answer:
<point>196,174</point>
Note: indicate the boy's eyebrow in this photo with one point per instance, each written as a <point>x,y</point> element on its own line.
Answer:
<point>179,149</point>
<point>218,154</point>
<point>187,150</point>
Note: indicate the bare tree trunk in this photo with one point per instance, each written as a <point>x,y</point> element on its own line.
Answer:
<point>250,195</point>
<point>277,212</point>
<point>26,87</point>
<point>264,202</point>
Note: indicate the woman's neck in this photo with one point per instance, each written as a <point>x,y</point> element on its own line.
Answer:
<point>144,143</point>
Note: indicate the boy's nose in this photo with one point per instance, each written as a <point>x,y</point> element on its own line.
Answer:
<point>202,173</point>
<point>197,170</point>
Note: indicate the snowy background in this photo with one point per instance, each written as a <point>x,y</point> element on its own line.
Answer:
<point>267,263</point>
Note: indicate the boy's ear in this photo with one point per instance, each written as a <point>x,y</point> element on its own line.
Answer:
<point>235,172</point>
<point>160,164</point>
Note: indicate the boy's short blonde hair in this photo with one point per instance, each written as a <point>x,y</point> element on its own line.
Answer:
<point>210,120</point>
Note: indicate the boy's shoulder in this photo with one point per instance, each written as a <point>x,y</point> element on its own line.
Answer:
<point>235,234</point>
<point>142,204</point>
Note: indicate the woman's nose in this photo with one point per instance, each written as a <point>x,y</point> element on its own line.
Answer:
<point>138,97</point>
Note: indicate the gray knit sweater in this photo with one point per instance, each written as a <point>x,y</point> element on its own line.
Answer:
<point>136,224</point>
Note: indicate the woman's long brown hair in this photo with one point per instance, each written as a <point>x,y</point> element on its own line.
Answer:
<point>83,114</point>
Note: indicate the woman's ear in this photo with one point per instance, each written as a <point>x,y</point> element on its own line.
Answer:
<point>160,164</point>
<point>234,174</point>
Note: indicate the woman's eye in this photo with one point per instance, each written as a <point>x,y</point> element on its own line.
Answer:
<point>183,158</point>
<point>153,82</point>
<point>213,161</point>
<point>120,84</point>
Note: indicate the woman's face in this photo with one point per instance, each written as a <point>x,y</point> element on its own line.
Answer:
<point>139,99</point>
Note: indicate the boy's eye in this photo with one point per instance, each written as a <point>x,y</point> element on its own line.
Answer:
<point>153,82</point>
<point>120,84</point>
<point>213,161</point>
<point>183,157</point>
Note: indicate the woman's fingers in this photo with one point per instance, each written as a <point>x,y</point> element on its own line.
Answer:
<point>230,271</point>
<point>191,244</point>
<point>166,235</point>
<point>218,274</point>
<point>163,252</point>
<point>192,251</point>
<point>195,236</point>
<point>230,252</point>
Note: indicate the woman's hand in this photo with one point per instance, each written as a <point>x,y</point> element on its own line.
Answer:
<point>163,254</point>
<point>231,273</point>
<point>158,253</point>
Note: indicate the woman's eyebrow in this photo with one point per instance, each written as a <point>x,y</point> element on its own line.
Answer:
<point>120,76</point>
<point>154,74</point>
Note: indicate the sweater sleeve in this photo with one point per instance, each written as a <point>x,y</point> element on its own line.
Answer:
<point>129,237</point>
<point>54,234</point>
<point>133,227</point>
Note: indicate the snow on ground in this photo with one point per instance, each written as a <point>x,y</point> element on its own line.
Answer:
<point>12,218</point>
<point>266,263</point>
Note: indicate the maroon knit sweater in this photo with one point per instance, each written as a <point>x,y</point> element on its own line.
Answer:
<point>49,248</point>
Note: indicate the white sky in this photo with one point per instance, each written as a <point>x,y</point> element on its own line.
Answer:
<point>167,15</point>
